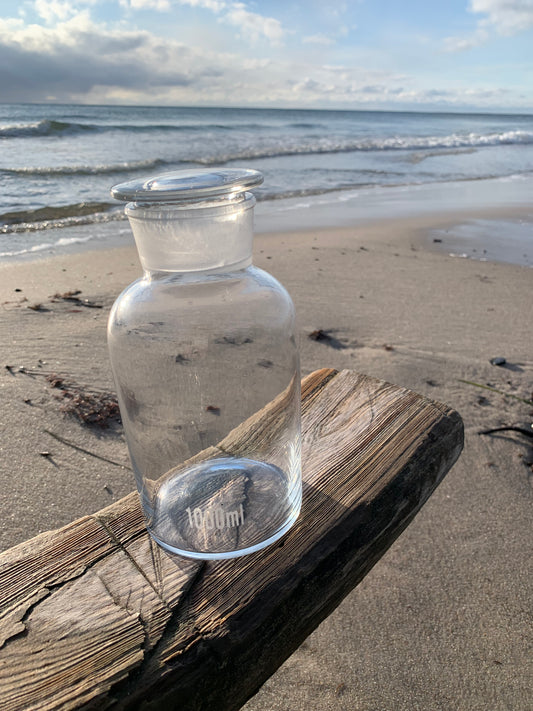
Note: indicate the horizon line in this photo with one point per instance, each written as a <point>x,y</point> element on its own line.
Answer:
<point>447,110</point>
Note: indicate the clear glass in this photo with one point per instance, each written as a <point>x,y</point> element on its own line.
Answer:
<point>196,350</point>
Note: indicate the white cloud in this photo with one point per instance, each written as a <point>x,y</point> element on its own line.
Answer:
<point>508,17</point>
<point>504,17</point>
<point>39,39</point>
<point>461,44</point>
<point>253,26</point>
<point>52,10</point>
<point>161,5</point>
<point>78,59</point>
<point>319,39</point>
<point>214,5</point>
<point>165,5</point>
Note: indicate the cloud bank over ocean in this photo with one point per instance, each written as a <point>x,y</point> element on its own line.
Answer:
<point>225,52</point>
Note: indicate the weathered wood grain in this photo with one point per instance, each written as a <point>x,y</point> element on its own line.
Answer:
<point>96,616</point>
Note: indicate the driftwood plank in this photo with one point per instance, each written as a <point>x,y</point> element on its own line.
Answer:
<point>96,616</point>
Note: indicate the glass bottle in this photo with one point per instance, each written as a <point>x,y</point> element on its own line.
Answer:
<point>198,345</point>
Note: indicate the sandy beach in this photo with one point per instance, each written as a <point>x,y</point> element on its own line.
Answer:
<point>443,621</point>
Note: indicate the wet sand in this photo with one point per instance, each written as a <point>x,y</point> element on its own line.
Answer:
<point>443,620</point>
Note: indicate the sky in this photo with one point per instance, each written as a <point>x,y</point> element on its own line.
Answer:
<point>365,54</point>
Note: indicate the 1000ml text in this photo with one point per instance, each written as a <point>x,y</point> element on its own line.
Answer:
<point>215,518</point>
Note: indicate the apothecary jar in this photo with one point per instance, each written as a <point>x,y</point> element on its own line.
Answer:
<point>204,354</point>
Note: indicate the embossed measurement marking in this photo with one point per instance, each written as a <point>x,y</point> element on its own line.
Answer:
<point>215,517</point>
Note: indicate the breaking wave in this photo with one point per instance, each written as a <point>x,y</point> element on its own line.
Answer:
<point>41,246</point>
<point>397,143</point>
<point>46,127</point>
<point>126,167</point>
<point>50,127</point>
<point>53,217</point>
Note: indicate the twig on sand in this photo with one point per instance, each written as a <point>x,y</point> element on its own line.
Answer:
<point>510,428</point>
<point>73,297</point>
<point>85,451</point>
<point>325,337</point>
<point>495,390</point>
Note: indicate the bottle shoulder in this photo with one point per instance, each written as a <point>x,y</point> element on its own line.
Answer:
<point>197,284</point>
<point>245,293</point>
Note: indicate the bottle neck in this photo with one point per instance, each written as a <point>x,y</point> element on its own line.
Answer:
<point>200,236</point>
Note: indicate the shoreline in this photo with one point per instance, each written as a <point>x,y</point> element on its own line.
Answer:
<point>467,217</point>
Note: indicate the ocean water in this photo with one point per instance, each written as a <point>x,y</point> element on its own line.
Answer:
<point>57,162</point>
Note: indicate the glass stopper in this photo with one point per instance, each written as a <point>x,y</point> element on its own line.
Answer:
<point>185,185</point>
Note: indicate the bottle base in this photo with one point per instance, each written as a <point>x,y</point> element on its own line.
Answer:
<point>224,508</point>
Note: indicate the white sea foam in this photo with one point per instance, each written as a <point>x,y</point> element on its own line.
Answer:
<point>28,250</point>
<point>100,169</point>
<point>440,144</point>
<point>41,246</point>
